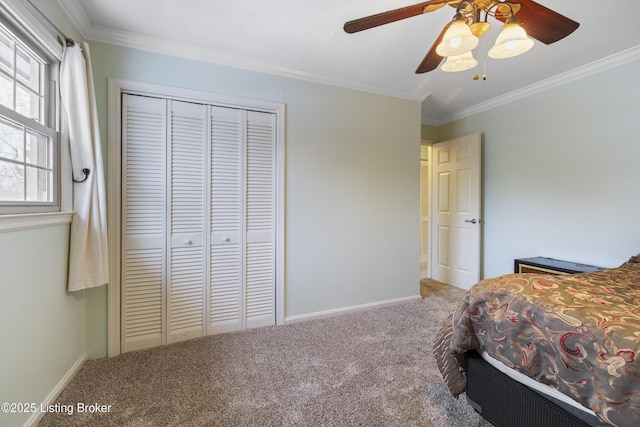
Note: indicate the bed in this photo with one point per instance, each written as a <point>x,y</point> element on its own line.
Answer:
<point>575,335</point>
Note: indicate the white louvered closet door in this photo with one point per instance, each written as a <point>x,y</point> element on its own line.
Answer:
<point>198,220</point>
<point>260,220</point>
<point>242,219</point>
<point>188,187</point>
<point>227,219</point>
<point>143,278</point>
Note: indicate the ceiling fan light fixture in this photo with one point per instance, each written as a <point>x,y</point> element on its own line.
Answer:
<point>457,63</point>
<point>457,40</point>
<point>544,25</point>
<point>512,41</point>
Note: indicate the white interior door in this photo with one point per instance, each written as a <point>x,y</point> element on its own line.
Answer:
<point>456,223</point>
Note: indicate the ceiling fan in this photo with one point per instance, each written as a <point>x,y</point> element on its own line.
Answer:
<point>460,36</point>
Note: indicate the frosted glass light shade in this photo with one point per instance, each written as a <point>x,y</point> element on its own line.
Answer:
<point>463,62</point>
<point>512,41</point>
<point>457,40</point>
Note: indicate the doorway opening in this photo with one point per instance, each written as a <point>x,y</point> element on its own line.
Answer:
<point>425,202</point>
<point>450,205</point>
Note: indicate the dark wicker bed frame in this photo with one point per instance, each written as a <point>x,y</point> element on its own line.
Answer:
<point>505,402</point>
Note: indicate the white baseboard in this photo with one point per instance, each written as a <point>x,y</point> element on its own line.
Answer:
<point>335,311</point>
<point>35,417</point>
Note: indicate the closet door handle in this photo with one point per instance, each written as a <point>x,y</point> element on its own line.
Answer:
<point>226,239</point>
<point>188,241</point>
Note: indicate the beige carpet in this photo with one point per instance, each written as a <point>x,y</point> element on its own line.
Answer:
<point>429,286</point>
<point>368,368</point>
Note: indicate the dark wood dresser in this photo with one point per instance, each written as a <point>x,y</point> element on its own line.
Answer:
<point>550,266</point>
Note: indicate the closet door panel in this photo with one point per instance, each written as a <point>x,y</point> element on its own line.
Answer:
<point>198,220</point>
<point>143,222</point>
<point>260,219</point>
<point>188,188</point>
<point>227,169</point>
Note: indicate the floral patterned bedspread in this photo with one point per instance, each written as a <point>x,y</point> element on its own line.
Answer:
<point>577,333</point>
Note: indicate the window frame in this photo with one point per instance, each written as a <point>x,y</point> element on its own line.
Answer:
<point>39,30</point>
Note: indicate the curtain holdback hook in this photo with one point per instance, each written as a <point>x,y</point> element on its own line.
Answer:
<point>86,173</point>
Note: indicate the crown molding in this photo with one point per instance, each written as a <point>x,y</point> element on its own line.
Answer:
<point>204,54</point>
<point>75,12</point>
<point>200,53</point>
<point>595,67</point>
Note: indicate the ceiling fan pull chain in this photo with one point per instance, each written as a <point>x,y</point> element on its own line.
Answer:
<point>476,75</point>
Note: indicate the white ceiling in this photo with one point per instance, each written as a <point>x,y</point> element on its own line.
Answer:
<point>305,39</point>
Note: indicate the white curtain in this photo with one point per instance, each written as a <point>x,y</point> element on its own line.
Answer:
<point>88,252</point>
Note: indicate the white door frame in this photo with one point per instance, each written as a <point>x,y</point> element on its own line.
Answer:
<point>116,87</point>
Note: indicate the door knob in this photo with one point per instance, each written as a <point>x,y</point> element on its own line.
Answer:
<point>472,221</point>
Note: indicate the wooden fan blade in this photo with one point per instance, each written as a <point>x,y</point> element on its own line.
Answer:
<point>432,59</point>
<point>394,15</point>
<point>542,23</point>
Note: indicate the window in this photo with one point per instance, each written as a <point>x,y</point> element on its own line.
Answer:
<point>29,155</point>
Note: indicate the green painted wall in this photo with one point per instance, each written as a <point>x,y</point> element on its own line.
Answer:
<point>561,173</point>
<point>352,181</point>
<point>430,132</point>
<point>43,326</point>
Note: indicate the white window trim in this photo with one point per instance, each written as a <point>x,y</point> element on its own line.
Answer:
<point>33,220</point>
<point>116,87</point>
<point>23,14</point>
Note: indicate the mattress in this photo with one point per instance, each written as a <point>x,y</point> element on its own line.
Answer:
<point>543,389</point>
<point>507,403</point>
